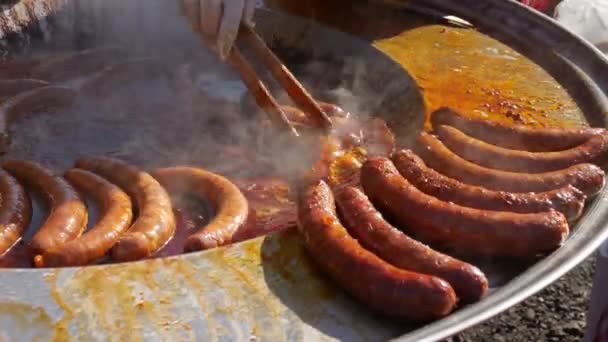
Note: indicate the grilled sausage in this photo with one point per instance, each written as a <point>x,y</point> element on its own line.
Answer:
<point>29,101</point>
<point>594,151</point>
<point>155,224</point>
<point>468,230</point>
<point>12,87</point>
<point>568,200</point>
<point>381,286</point>
<point>588,178</point>
<point>68,214</point>
<point>516,136</point>
<point>115,217</point>
<point>229,203</point>
<point>368,226</point>
<point>15,212</point>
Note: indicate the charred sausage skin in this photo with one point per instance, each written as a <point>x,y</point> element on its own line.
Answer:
<point>467,230</point>
<point>516,137</point>
<point>381,286</point>
<point>594,151</point>
<point>568,200</point>
<point>588,178</point>
<point>368,226</point>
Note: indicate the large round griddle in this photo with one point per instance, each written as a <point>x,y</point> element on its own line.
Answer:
<point>267,288</point>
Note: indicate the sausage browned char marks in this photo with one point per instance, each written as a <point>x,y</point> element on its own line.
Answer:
<point>12,87</point>
<point>155,223</point>
<point>588,178</point>
<point>517,137</point>
<point>115,217</point>
<point>468,230</point>
<point>368,226</point>
<point>68,214</point>
<point>381,286</point>
<point>594,151</point>
<point>33,100</point>
<point>568,200</point>
<point>230,204</point>
<point>15,212</point>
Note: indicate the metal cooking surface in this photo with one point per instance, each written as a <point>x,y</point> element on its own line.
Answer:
<point>266,288</point>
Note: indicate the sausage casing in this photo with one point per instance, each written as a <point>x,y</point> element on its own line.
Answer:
<point>68,214</point>
<point>15,212</point>
<point>368,226</point>
<point>155,223</point>
<point>230,205</point>
<point>468,230</point>
<point>588,178</point>
<point>378,284</point>
<point>116,214</point>
<point>517,137</point>
<point>568,200</point>
<point>594,151</point>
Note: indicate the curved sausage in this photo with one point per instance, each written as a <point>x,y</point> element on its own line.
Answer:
<point>68,214</point>
<point>516,136</point>
<point>594,151</point>
<point>381,286</point>
<point>588,178</point>
<point>368,226</point>
<point>15,212</point>
<point>155,224</point>
<point>230,205</point>
<point>568,200</point>
<point>12,87</point>
<point>468,230</point>
<point>33,100</point>
<point>115,217</point>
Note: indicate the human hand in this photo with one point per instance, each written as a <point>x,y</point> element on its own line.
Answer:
<point>218,21</point>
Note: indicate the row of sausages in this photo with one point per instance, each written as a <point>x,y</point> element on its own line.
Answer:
<point>457,191</point>
<point>113,184</point>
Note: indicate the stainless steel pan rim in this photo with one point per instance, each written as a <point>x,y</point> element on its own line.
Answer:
<point>591,230</point>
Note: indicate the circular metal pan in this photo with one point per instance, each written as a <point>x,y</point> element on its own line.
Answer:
<point>266,288</point>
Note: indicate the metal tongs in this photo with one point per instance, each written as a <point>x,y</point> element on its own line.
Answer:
<point>264,99</point>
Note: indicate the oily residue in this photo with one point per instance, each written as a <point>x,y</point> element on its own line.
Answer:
<point>481,77</point>
<point>62,326</point>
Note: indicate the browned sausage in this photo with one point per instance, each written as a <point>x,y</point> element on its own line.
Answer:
<point>155,224</point>
<point>15,212</point>
<point>517,137</point>
<point>568,200</point>
<point>68,214</point>
<point>594,151</point>
<point>368,226</point>
<point>588,178</point>
<point>230,204</point>
<point>115,217</point>
<point>33,100</point>
<point>468,230</point>
<point>380,285</point>
<point>12,87</point>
